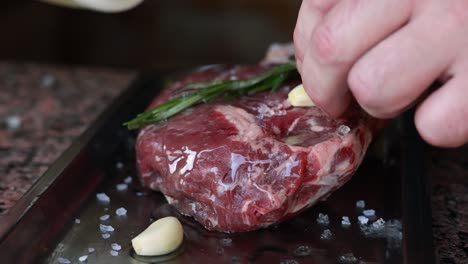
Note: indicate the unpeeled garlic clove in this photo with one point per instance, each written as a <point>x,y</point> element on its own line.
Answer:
<point>299,97</point>
<point>161,237</point>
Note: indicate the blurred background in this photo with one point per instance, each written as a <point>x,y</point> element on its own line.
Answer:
<point>157,34</point>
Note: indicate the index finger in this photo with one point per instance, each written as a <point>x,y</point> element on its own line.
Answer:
<point>310,14</point>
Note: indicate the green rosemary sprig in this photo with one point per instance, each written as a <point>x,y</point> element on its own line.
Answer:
<point>197,93</point>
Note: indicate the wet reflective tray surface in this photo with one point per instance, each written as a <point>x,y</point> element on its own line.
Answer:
<point>60,217</point>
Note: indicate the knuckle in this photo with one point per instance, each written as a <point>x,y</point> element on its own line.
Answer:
<point>324,45</point>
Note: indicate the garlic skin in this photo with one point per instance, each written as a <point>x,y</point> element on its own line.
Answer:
<point>298,97</point>
<point>107,6</point>
<point>161,237</point>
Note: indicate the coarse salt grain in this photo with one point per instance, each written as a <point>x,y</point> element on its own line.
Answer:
<point>121,187</point>
<point>83,258</point>
<point>345,222</point>
<point>323,219</point>
<point>369,212</point>
<point>360,204</point>
<point>128,180</point>
<point>106,228</point>
<point>91,250</point>
<point>119,165</point>
<point>302,251</point>
<point>63,260</point>
<point>226,242</point>
<point>102,197</point>
<point>378,224</point>
<point>116,246</point>
<point>77,221</point>
<point>363,220</point>
<point>139,193</point>
<point>114,253</point>
<point>104,217</point>
<point>326,235</point>
<point>343,129</point>
<point>121,211</point>
<point>347,258</point>
<point>106,235</point>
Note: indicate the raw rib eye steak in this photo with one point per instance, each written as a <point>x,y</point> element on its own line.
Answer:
<point>244,164</point>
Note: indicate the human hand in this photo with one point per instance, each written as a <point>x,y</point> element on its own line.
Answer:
<point>386,54</point>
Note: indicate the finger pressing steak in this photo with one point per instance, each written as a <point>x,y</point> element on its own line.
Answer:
<point>246,163</point>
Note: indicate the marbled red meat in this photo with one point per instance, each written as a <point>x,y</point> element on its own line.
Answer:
<point>246,163</point>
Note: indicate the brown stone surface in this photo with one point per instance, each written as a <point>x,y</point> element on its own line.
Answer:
<point>50,106</point>
<point>55,104</point>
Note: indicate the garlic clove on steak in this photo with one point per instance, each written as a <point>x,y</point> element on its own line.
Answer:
<point>161,237</point>
<point>299,97</point>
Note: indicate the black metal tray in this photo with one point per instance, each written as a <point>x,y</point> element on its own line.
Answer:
<point>42,227</point>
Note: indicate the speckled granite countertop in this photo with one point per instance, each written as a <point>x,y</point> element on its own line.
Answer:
<point>44,108</point>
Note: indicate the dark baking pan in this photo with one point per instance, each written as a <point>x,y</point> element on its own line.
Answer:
<point>59,216</point>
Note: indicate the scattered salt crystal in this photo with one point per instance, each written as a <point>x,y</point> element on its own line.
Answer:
<point>345,222</point>
<point>363,220</point>
<point>121,187</point>
<point>128,180</point>
<point>114,253</point>
<point>91,250</point>
<point>13,122</point>
<point>116,246</point>
<point>119,165</point>
<point>121,211</point>
<point>302,251</point>
<point>106,228</point>
<point>106,235</point>
<point>139,193</point>
<point>343,129</point>
<point>347,258</point>
<point>369,212</point>
<point>63,260</point>
<point>326,235</point>
<point>77,220</point>
<point>102,197</point>
<point>323,219</point>
<point>379,224</point>
<point>360,204</point>
<point>226,242</point>
<point>104,217</point>
<point>83,258</point>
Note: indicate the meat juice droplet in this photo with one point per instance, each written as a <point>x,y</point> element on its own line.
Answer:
<point>236,161</point>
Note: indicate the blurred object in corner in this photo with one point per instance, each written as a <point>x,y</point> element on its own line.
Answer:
<point>108,6</point>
